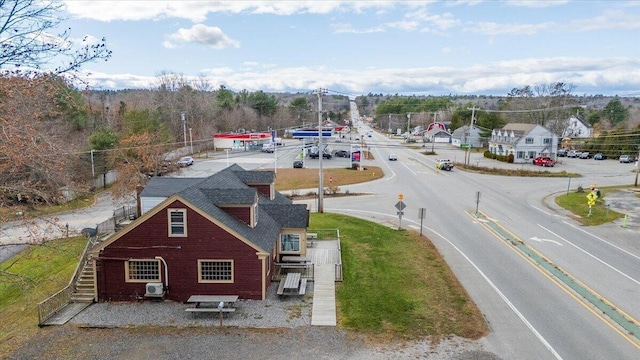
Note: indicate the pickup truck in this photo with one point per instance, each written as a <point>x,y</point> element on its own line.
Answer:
<point>544,161</point>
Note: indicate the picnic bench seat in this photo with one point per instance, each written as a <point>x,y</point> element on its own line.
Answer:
<point>281,288</point>
<point>303,286</point>
<point>210,309</point>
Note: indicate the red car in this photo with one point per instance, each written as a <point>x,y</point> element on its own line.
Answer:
<point>544,161</point>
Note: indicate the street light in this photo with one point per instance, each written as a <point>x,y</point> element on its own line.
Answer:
<point>637,167</point>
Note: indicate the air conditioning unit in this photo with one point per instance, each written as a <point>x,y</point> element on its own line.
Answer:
<point>154,290</point>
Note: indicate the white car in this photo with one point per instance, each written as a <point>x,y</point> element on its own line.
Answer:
<point>393,157</point>
<point>185,161</point>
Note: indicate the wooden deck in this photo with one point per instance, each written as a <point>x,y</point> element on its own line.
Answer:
<point>325,252</point>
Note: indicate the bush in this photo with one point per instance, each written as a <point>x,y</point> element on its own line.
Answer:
<point>510,158</point>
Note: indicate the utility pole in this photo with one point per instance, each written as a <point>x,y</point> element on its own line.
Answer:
<point>409,123</point>
<point>320,92</point>
<point>433,137</point>
<point>184,128</point>
<point>191,141</point>
<point>467,154</point>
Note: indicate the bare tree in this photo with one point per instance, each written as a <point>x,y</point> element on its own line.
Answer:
<point>548,105</point>
<point>26,43</point>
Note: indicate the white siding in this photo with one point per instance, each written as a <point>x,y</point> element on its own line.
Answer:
<point>148,203</point>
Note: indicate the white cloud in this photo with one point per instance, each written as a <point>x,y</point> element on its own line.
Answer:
<point>201,34</point>
<point>347,28</point>
<point>596,76</point>
<point>536,3</point>
<point>197,11</point>
<point>492,28</point>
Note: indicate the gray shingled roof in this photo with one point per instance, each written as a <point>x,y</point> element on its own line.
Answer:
<point>167,186</point>
<point>229,187</point>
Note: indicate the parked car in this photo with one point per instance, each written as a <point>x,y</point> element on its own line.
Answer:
<point>316,155</point>
<point>341,153</point>
<point>599,156</point>
<point>544,161</point>
<point>393,157</point>
<point>298,164</point>
<point>626,159</point>
<point>562,152</point>
<point>185,161</point>
<point>268,148</point>
<point>573,153</point>
<point>585,155</point>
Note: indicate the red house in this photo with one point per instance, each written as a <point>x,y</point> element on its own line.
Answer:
<point>210,236</point>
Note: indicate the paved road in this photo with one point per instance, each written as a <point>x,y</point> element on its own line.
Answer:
<point>531,316</point>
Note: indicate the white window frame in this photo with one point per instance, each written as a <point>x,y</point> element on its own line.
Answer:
<point>176,225</point>
<point>528,141</point>
<point>546,141</point>
<point>292,240</point>
<point>142,275</point>
<point>225,279</point>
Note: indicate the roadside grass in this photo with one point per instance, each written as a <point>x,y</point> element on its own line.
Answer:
<point>296,179</point>
<point>516,172</point>
<point>397,285</point>
<point>576,202</point>
<point>30,277</point>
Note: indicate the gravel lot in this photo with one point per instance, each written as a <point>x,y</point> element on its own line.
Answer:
<point>270,329</point>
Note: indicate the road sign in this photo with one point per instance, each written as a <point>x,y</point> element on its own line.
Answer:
<point>591,198</point>
<point>399,212</point>
<point>400,205</point>
<point>400,196</point>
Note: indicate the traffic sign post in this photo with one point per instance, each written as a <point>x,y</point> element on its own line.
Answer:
<point>400,206</point>
<point>421,212</point>
<point>591,200</point>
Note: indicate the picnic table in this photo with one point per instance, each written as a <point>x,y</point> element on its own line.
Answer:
<point>213,303</point>
<point>292,285</point>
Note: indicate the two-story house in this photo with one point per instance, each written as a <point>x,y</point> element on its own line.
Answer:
<point>208,236</point>
<point>524,141</point>
<point>577,127</point>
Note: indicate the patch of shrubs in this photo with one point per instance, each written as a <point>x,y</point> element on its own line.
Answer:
<point>504,158</point>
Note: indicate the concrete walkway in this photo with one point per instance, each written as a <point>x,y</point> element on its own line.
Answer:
<point>325,255</point>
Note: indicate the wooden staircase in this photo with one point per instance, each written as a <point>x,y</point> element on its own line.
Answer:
<point>85,285</point>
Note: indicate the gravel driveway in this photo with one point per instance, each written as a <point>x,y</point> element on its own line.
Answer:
<point>271,329</point>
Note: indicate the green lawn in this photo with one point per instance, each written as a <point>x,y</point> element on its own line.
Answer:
<point>396,284</point>
<point>576,202</point>
<point>27,279</point>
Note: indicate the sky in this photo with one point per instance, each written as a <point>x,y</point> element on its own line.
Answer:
<point>464,47</point>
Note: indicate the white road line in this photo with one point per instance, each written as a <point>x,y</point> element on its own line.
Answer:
<point>486,278</point>
<point>593,256</point>
<point>408,168</point>
<point>603,240</point>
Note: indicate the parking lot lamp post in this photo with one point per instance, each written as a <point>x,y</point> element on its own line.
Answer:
<point>637,167</point>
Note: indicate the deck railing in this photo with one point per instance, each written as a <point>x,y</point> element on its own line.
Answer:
<point>306,270</point>
<point>54,303</point>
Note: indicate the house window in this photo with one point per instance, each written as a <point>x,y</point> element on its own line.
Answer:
<point>142,270</point>
<point>532,154</point>
<point>178,222</point>
<point>520,155</point>
<point>528,141</point>
<point>215,271</point>
<point>290,243</point>
<point>546,141</point>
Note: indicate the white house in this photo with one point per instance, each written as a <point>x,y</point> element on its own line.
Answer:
<point>524,141</point>
<point>467,135</point>
<point>577,127</point>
